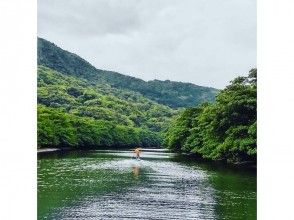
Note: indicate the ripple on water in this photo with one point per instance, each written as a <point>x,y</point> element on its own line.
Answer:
<point>152,188</point>
<point>171,191</point>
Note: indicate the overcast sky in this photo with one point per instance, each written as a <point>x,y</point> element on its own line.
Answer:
<point>206,42</point>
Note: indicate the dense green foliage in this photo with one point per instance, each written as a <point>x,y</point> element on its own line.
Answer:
<point>172,94</point>
<point>224,130</point>
<point>74,112</point>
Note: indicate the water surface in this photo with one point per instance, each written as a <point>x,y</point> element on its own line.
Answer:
<point>109,184</point>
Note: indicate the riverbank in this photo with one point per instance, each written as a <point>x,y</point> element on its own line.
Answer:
<point>47,150</point>
<point>42,151</point>
<point>235,165</point>
<point>183,156</point>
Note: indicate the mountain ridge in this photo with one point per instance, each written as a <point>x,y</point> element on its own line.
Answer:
<point>171,93</point>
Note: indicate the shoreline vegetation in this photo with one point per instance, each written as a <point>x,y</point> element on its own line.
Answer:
<point>83,108</point>
<point>221,131</point>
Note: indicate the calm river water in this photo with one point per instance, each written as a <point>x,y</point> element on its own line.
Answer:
<point>109,184</point>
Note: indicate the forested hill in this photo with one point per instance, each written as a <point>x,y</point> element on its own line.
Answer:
<point>172,94</point>
<point>77,113</point>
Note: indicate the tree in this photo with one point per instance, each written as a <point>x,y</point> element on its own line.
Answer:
<point>225,129</point>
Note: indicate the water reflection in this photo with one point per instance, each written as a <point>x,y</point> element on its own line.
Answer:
<point>104,185</point>
<point>136,171</point>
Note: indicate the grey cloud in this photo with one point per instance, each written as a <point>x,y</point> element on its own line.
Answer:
<point>206,42</point>
<point>87,17</point>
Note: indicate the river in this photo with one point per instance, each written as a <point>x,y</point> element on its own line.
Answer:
<point>109,184</point>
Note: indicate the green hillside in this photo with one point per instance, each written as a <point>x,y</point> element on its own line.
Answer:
<point>172,94</point>
<point>74,112</point>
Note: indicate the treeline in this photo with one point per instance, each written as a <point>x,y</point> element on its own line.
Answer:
<point>225,130</point>
<point>61,129</point>
<point>73,112</point>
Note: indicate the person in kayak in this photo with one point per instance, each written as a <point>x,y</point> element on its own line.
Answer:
<point>137,152</point>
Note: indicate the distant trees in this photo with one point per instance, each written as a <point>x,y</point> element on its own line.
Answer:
<point>78,114</point>
<point>60,129</point>
<point>223,130</point>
